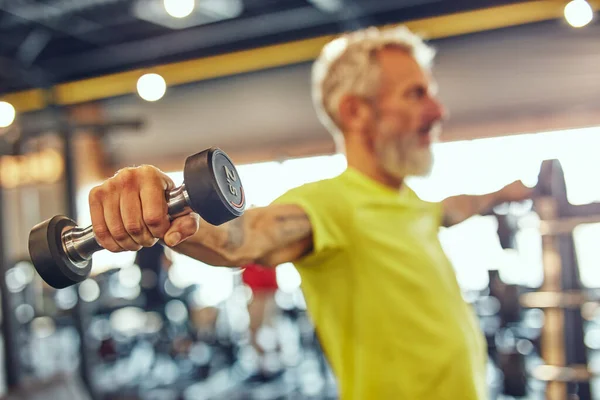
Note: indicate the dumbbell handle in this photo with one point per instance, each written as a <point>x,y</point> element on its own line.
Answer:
<point>80,243</point>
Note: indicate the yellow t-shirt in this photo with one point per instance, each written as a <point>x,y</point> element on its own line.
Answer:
<point>384,297</point>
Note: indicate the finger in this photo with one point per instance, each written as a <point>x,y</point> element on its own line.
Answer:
<point>131,211</point>
<point>101,232</point>
<point>181,229</point>
<point>154,203</point>
<point>114,222</point>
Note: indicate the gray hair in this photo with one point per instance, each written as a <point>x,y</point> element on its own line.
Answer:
<point>346,65</point>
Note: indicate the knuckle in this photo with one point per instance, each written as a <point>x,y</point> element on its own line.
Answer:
<point>155,218</point>
<point>110,186</point>
<point>120,234</point>
<point>148,171</point>
<point>156,176</point>
<point>128,178</point>
<point>134,228</point>
<point>97,194</point>
<point>101,232</point>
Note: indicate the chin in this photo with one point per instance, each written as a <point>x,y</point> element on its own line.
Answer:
<point>420,163</point>
<point>422,173</point>
<point>405,171</point>
<point>405,160</point>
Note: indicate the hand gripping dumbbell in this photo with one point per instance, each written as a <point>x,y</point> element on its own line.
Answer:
<point>62,252</point>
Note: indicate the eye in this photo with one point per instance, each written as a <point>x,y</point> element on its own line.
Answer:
<point>416,93</point>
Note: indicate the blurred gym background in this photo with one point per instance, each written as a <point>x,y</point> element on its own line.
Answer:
<point>91,86</point>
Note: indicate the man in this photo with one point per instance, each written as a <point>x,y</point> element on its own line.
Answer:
<point>382,294</point>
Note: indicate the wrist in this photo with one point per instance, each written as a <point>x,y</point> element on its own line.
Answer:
<point>499,197</point>
<point>489,201</point>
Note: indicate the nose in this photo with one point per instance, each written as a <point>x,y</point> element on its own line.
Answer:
<point>436,110</point>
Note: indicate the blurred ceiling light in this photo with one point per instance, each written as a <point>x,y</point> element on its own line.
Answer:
<point>578,13</point>
<point>330,6</point>
<point>151,87</point>
<point>179,8</point>
<point>7,114</point>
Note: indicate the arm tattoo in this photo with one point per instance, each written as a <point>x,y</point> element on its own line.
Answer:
<point>235,234</point>
<point>290,226</point>
<point>286,228</point>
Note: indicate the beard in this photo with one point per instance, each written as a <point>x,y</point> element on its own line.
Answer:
<point>403,156</point>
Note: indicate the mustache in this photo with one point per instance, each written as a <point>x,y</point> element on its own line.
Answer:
<point>434,129</point>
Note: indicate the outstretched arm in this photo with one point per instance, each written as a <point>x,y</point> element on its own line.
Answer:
<point>129,211</point>
<point>460,208</point>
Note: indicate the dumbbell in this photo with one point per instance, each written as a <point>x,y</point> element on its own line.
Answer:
<point>61,252</point>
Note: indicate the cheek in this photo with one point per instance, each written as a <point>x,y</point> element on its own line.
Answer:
<point>396,124</point>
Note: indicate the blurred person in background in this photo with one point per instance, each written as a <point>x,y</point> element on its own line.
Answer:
<point>262,309</point>
<point>154,265</point>
<point>382,294</point>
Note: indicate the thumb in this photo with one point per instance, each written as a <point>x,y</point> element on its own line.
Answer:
<point>181,229</point>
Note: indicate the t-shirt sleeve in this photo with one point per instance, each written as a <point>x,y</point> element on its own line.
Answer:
<point>329,216</point>
<point>435,208</point>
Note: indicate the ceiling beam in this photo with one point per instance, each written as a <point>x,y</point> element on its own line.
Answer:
<point>290,53</point>
<point>207,36</point>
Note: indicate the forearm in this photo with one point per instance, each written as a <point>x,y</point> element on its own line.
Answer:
<point>218,245</point>
<point>460,208</point>
<point>268,236</point>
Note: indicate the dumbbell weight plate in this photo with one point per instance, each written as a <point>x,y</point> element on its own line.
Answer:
<point>219,199</point>
<point>49,257</point>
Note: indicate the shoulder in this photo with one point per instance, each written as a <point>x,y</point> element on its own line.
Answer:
<point>323,191</point>
<point>432,207</point>
<point>327,203</point>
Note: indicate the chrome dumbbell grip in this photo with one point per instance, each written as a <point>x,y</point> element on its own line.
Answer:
<point>80,243</point>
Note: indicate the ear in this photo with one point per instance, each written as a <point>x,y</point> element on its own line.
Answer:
<point>355,113</point>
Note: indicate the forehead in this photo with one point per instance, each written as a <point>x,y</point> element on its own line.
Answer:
<point>398,66</point>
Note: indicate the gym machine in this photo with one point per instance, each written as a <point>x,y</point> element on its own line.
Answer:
<point>562,295</point>
<point>561,346</point>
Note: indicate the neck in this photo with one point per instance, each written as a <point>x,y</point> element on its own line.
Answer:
<point>365,161</point>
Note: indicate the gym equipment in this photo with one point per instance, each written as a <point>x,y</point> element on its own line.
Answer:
<point>512,365</point>
<point>561,295</point>
<point>10,328</point>
<point>57,387</point>
<point>62,252</point>
<point>562,340</point>
<point>508,296</point>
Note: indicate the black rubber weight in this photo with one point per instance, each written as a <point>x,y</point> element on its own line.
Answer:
<point>48,256</point>
<point>214,186</point>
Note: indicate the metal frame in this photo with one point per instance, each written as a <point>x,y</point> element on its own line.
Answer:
<point>12,360</point>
